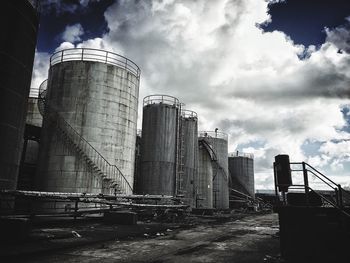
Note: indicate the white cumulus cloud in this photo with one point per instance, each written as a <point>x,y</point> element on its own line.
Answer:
<point>72,33</point>
<point>259,87</point>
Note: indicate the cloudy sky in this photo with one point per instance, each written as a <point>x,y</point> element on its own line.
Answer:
<point>274,75</point>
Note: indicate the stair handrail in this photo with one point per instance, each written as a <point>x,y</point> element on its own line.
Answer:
<point>61,120</point>
<point>322,197</point>
<point>45,106</point>
<point>214,159</point>
<point>315,172</point>
<point>209,148</point>
<point>321,177</point>
<point>340,188</point>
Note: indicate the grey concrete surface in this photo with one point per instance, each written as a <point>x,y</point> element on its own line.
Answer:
<point>100,102</point>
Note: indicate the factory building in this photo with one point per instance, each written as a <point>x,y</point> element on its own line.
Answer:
<point>241,170</point>
<point>89,130</point>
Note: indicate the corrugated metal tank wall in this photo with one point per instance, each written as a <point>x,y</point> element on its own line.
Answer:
<point>160,129</point>
<point>204,179</point>
<point>219,143</point>
<point>189,158</point>
<point>99,100</point>
<point>19,25</point>
<point>242,170</point>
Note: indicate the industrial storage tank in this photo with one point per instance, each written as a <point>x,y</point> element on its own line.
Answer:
<point>218,142</point>
<point>19,26</point>
<point>241,168</point>
<point>30,149</point>
<point>89,130</point>
<point>34,116</point>
<point>188,167</point>
<point>204,177</point>
<point>160,145</point>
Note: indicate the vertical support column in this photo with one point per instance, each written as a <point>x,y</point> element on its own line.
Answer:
<point>340,196</point>
<point>306,183</point>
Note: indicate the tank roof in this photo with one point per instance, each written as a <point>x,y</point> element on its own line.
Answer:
<point>95,55</point>
<point>213,134</point>
<point>241,154</point>
<point>161,99</point>
<point>189,114</point>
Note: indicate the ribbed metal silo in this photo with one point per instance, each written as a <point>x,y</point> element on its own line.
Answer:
<point>159,149</point>
<point>19,25</point>
<point>204,177</point>
<point>89,130</point>
<point>188,167</point>
<point>219,143</point>
<point>241,168</point>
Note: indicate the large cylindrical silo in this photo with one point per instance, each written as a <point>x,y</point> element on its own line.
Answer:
<point>219,143</point>
<point>241,168</point>
<point>89,130</point>
<point>30,150</point>
<point>204,177</point>
<point>188,155</point>
<point>159,149</point>
<point>19,25</point>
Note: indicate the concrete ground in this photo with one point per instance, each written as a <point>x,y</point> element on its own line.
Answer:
<point>249,239</point>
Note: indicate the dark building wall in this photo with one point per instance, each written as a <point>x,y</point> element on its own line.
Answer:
<point>19,25</point>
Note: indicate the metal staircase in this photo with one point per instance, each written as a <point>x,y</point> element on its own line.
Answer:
<point>337,197</point>
<point>213,157</point>
<point>113,179</point>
